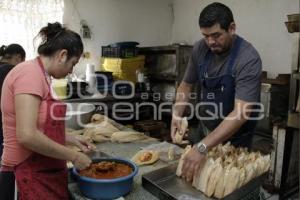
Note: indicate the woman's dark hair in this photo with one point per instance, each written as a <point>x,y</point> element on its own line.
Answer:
<point>13,49</point>
<point>216,13</point>
<point>56,37</point>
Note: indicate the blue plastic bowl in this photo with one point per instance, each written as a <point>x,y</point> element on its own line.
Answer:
<point>106,188</point>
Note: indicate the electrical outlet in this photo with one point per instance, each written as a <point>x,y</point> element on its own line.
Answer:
<point>85,32</point>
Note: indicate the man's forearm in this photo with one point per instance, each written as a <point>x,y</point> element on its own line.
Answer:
<point>228,127</point>
<point>182,98</point>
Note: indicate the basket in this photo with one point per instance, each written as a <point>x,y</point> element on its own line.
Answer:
<point>123,69</point>
<point>292,26</point>
<point>119,52</point>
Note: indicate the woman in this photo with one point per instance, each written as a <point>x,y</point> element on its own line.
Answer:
<point>10,56</point>
<point>34,134</point>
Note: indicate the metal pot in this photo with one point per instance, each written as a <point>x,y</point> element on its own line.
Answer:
<point>106,188</point>
<point>78,114</point>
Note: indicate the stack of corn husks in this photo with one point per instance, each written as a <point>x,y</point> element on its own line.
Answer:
<point>226,168</point>
<point>103,129</point>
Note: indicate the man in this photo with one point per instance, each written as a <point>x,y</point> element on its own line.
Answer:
<point>228,69</point>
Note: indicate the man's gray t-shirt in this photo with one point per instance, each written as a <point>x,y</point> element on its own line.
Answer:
<point>246,70</point>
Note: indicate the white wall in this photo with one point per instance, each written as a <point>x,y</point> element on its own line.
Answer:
<point>261,22</point>
<point>144,21</point>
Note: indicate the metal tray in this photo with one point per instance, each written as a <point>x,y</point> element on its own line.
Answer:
<point>164,184</point>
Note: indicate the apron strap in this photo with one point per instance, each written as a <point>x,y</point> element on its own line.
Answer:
<point>202,69</point>
<point>44,71</point>
<point>233,54</point>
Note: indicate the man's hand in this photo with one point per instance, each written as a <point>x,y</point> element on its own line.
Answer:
<point>175,126</point>
<point>182,98</point>
<point>192,163</point>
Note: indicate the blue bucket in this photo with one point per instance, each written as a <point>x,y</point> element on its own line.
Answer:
<point>106,188</point>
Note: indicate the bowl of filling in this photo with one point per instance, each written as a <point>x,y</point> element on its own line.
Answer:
<point>106,178</point>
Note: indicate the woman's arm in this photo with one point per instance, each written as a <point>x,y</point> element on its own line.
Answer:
<point>81,143</point>
<point>27,108</point>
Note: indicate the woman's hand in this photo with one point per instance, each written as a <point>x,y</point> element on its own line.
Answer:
<point>84,145</point>
<point>81,161</point>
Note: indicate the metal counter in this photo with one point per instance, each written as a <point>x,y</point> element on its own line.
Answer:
<point>160,178</point>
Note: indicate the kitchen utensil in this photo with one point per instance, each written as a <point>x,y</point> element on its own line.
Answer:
<point>78,114</point>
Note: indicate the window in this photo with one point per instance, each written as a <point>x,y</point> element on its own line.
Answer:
<point>21,20</point>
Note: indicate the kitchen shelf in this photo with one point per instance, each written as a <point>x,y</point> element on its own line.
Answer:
<point>293,120</point>
<point>162,78</point>
<point>296,76</point>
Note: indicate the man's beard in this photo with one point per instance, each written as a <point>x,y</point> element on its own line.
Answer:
<point>220,50</point>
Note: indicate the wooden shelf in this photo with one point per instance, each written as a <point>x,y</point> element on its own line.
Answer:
<point>296,76</point>
<point>163,78</point>
<point>293,120</point>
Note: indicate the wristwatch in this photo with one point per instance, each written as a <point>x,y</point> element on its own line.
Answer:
<point>201,147</point>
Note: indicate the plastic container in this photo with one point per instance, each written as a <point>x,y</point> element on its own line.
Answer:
<point>104,78</point>
<point>124,88</point>
<point>123,69</point>
<point>107,188</point>
<point>60,88</point>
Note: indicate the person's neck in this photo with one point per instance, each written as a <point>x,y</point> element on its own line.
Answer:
<point>232,41</point>
<point>230,46</point>
<point>46,63</point>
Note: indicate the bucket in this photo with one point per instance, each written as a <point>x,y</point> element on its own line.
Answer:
<point>60,88</point>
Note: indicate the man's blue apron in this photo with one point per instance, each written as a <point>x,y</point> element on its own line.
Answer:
<point>219,92</point>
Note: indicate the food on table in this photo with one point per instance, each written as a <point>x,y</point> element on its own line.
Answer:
<point>103,129</point>
<point>183,129</point>
<point>107,170</point>
<point>225,169</point>
<point>98,118</point>
<point>179,168</point>
<point>127,136</point>
<point>145,157</point>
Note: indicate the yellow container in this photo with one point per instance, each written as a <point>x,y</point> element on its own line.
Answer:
<point>60,88</point>
<point>123,69</point>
